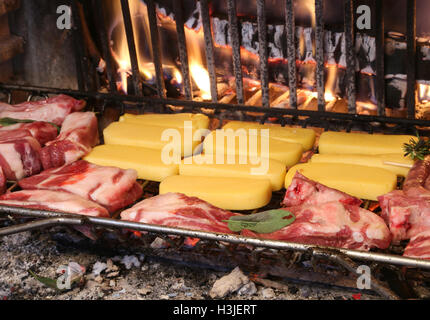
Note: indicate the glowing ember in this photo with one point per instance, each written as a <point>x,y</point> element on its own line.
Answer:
<point>191,242</point>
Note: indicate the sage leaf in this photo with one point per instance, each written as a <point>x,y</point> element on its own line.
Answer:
<point>51,283</point>
<point>261,222</point>
<point>4,122</point>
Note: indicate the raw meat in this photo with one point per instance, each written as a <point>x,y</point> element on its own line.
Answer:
<point>419,246</point>
<point>41,131</point>
<point>19,154</point>
<point>303,191</point>
<point>53,110</point>
<point>53,201</point>
<point>3,185</point>
<point>179,210</point>
<point>79,133</point>
<point>406,216</point>
<point>111,187</point>
<point>333,224</point>
<point>416,180</point>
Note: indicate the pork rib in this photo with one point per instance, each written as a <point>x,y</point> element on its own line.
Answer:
<point>41,131</point>
<point>19,154</point>
<point>419,246</point>
<point>111,187</point>
<point>303,191</point>
<point>406,216</point>
<point>416,181</point>
<point>179,210</point>
<point>53,201</point>
<point>53,110</point>
<point>79,133</point>
<point>333,224</point>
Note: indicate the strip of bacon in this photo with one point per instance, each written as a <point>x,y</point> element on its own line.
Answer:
<point>79,133</point>
<point>303,191</point>
<point>333,224</point>
<point>53,110</point>
<point>179,210</point>
<point>19,154</point>
<point>111,187</point>
<point>416,180</point>
<point>419,246</point>
<point>43,132</point>
<point>53,201</point>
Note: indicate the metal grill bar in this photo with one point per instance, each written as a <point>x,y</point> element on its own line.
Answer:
<point>380,56</point>
<point>290,27</point>
<point>128,26</point>
<point>316,118</point>
<point>235,43</point>
<point>411,34</point>
<point>231,238</point>
<point>319,47</point>
<point>110,71</point>
<point>156,48</point>
<point>82,75</point>
<point>262,50</point>
<point>209,47</point>
<point>350,55</point>
<point>182,48</point>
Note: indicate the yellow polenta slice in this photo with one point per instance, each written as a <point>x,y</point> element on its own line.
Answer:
<point>306,137</point>
<point>359,181</point>
<point>223,192</point>
<point>262,168</point>
<point>147,162</point>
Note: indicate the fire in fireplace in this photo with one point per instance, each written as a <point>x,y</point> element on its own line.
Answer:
<point>311,63</point>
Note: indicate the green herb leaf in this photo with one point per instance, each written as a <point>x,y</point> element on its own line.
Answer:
<point>4,122</point>
<point>262,222</point>
<point>51,283</point>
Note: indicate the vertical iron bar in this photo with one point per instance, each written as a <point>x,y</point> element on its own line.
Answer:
<point>182,47</point>
<point>209,47</point>
<point>319,47</point>
<point>78,40</point>
<point>99,17</point>
<point>350,55</point>
<point>264,61</point>
<point>234,36</point>
<point>380,56</point>
<point>156,48</point>
<point>411,64</point>
<point>128,25</point>
<point>291,52</point>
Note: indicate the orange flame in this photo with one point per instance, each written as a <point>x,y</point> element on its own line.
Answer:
<point>139,14</point>
<point>423,92</point>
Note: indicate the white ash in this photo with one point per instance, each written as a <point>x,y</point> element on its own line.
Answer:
<point>39,252</point>
<point>99,267</point>
<point>229,283</point>
<point>128,261</point>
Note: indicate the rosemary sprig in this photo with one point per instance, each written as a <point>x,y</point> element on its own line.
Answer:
<point>417,148</point>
